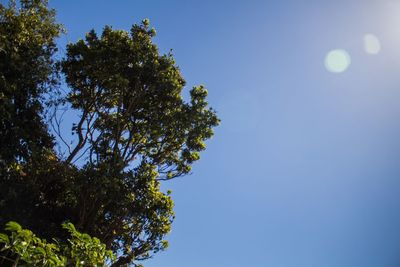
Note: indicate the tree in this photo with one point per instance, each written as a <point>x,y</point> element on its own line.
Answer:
<point>28,73</point>
<point>27,47</point>
<point>134,130</point>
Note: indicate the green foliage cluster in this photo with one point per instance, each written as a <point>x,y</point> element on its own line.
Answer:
<point>23,248</point>
<point>133,131</point>
<point>27,71</point>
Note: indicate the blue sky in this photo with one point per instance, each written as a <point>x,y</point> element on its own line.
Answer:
<point>304,170</point>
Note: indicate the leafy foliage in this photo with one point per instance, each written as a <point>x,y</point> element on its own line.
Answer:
<point>134,130</point>
<point>24,248</point>
<point>27,69</point>
<point>28,74</point>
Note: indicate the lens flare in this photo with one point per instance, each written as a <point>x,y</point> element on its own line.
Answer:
<point>372,44</point>
<point>337,61</point>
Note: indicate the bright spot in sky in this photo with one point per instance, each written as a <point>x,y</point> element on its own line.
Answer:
<point>371,44</point>
<point>337,61</point>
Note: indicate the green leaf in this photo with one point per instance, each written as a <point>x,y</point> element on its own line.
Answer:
<point>13,227</point>
<point>4,239</point>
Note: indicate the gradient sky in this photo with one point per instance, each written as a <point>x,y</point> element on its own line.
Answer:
<point>304,170</point>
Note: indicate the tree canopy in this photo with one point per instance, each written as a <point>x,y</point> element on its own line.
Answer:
<point>133,131</point>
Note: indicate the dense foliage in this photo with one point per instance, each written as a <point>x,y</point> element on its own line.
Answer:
<point>22,247</point>
<point>26,72</point>
<point>133,131</point>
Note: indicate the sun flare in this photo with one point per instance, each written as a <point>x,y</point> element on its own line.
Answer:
<point>337,61</point>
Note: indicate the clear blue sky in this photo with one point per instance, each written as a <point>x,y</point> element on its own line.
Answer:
<point>304,170</point>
